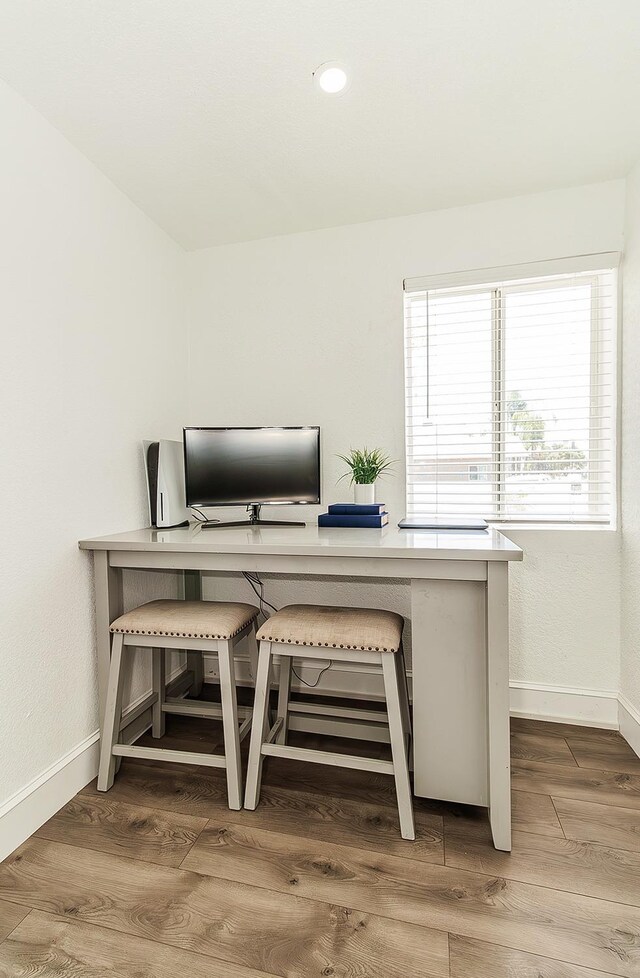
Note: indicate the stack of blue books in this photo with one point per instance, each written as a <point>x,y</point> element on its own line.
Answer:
<point>353,514</point>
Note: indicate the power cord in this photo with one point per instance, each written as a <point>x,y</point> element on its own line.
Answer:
<point>257,586</point>
<point>200,517</point>
<point>319,676</point>
<point>256,583</point>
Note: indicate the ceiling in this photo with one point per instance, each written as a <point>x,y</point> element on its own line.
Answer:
<point>205,113</point>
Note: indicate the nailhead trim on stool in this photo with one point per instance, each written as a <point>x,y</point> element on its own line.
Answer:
<point>359,629</point>
<point>187,619</point>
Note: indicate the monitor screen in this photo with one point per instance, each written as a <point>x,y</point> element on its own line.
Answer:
<point>243,466</point>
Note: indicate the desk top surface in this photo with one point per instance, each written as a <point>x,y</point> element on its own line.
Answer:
<point>314,541</point>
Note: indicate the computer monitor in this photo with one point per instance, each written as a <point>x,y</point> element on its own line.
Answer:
<point>252,467</point>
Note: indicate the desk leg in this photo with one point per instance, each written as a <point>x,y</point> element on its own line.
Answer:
<point>448,627</point>
<point>498,747</point>
<point>192,583</point>
<point>109,605</point>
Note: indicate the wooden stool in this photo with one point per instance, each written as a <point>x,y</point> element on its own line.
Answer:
<point>342,635</point>
<point>198,626</point>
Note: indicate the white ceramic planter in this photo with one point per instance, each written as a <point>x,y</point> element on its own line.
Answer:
<point>364,495</point>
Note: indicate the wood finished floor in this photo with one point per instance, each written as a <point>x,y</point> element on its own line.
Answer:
<point>157,878</point>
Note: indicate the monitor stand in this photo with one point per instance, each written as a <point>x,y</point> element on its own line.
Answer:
<point>254,520</point>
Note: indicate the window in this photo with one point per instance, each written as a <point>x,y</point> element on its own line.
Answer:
<point>479,472</point>
<point>510,393</point>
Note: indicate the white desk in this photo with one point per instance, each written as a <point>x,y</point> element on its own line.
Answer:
<point>460,628</point>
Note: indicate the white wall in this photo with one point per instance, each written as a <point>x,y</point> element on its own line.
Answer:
<point>90,313</point>
<point>630,658</point>
<point>307,329</point>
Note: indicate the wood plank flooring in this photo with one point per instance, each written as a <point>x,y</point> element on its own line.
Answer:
<point>158,878</point>
<point>10,917</point>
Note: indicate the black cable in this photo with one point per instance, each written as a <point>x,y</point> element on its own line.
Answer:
<point>255,591</point>
<point>254,581</point>
<point>200,517</point>
<point>319,677</point>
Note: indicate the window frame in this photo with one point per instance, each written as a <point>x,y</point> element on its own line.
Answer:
<point>529,277</point>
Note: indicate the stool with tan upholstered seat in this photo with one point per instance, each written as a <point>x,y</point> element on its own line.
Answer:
<point>342,635</point>
<point>198,626</point>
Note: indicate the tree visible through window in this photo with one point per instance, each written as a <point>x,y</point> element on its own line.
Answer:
<point>510,399</point>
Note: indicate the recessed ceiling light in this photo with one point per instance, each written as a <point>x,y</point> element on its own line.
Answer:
<point>331,78</point>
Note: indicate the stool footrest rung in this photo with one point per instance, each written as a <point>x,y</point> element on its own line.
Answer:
<point>371,764</point>
<point>197,708</point>
<point>275,730</point>
<point>338,712</point>
<point>163,754</point>
<point>245,727</point>
<point>138,710</point>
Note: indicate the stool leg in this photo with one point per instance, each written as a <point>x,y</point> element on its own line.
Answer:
<point>230,724</point>
<point>253,652</point>
<point>398,745</point>
<point>158,667</point>
<point>195,664</point>
<point>192,591</point>
<point>284,687</point>
<point>259,727</point>
<point>403,689</point>
<point>404,703</point>
<point>112,715</point>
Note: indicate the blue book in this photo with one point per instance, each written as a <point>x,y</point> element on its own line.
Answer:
<point>374,520</point>
<point>356,509</point>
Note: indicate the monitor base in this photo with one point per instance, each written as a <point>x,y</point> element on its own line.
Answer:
<point>213,526</point>
<point>254,520</point>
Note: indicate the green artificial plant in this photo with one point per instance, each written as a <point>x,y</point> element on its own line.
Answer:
<point>366,465</point>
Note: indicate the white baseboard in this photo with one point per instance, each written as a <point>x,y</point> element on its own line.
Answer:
<point>31,806</point>
<point>343,679</point>
<point>564,704</point>
<point>629,719</point>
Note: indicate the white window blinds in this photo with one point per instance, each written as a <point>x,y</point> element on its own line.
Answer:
<point>510,393</point>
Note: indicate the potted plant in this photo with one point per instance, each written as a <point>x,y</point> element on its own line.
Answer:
<point>366,466</point>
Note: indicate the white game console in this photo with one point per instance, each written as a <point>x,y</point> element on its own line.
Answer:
<point>164,467</point>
